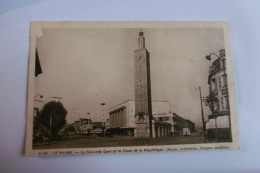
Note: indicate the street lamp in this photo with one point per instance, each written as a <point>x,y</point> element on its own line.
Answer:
<point>88,117</point>
<point>56,97</point>
<point>52,113</point>
<point>202,115</point>
<point>38,101</point>
<point>41,96</point>
<point>103,104</point>
<point>208,57</point>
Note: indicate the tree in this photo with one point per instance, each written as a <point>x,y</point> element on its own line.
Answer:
<point>211,101</point>
<point>53,117</point>
<point>70,128</point>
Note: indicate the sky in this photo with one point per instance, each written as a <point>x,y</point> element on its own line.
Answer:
<point>87,67</point>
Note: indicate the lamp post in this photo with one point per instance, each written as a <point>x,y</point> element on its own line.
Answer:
<point>51,118</point>
<point>88,117</point>
<point>38,101</point>
<point>202,115</point>
<point>103,104</point>
<point>56,97</point>
<point>208,57</point>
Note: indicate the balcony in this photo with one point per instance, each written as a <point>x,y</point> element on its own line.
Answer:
<point>218,113</point>
<point>211,69</point>
<point>224,91</point>
<point>214,93</point>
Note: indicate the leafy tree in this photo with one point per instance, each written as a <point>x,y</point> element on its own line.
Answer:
<point>70,128</point>
<point>210,101</point>
<point>53,117</point>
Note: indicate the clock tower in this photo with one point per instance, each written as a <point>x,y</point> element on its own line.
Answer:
<point>143,101</point>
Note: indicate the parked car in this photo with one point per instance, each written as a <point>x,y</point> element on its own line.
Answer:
<point>98,132</point>
<point>109,133</point>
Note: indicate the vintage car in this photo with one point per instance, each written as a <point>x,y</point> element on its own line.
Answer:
<point>108,133</point>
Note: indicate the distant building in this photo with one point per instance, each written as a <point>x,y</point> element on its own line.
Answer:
<point>98,124</point>
<point>84,125</point>
<point>180,123</point>
<point>163,124</point>
<point>107,124</point>
<point>76,126</point>
<point>191,125</point>
<point>218,125</point>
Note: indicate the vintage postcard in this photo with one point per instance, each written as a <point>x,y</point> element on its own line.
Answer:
<point>130,87</point>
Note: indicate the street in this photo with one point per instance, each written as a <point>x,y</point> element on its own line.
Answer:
<point>119,141</point>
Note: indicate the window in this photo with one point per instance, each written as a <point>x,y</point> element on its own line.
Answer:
<point>222,103</point>
<point>217,65</point>
<point>224,77</point>
<point>216,106</point>
<point>210,86</point>
<point>214,84</point>
<point>224,63</point>
<point>219,83</point>
<point>227,103</point>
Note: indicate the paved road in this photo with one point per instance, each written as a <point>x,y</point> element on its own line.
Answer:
<point>120,141</point>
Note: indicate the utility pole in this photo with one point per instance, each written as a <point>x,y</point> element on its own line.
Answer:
<point>202,114</point>
<point>88,118</point>
<point>103,104</point>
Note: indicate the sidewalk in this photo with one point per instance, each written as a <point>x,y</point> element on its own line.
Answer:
<point>119,141</point>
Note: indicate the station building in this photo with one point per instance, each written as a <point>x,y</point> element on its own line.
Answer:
<point>123,118</point>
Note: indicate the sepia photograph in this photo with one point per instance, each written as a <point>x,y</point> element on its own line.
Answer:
<point>129,87</point>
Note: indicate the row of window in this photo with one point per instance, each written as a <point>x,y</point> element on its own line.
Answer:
<point>222,104</point>
<point>161,118</point>
<point>218,82</point>
<point>217,65</point>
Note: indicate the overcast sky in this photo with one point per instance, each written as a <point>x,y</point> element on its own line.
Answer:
<point>86,67</point>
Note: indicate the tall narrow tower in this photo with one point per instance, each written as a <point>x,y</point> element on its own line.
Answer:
<point>143,101</point>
